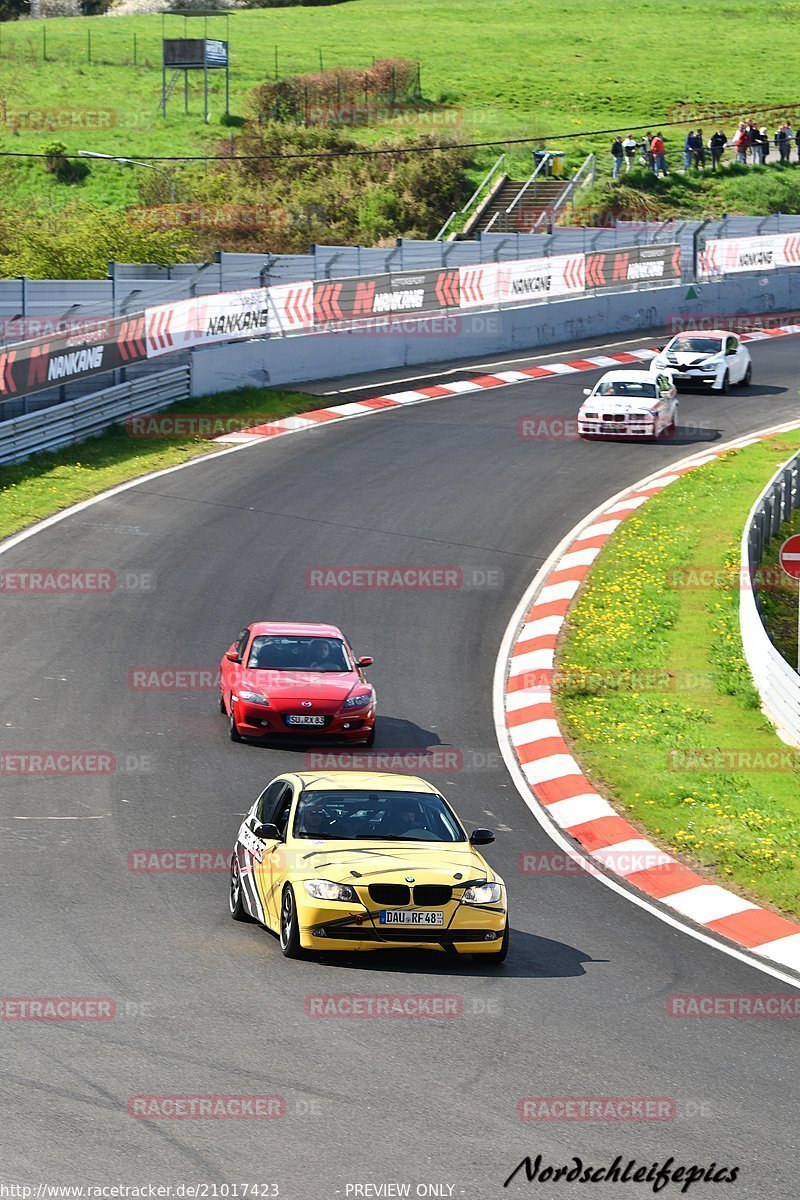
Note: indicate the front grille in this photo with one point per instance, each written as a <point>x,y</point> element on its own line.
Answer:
<point>613,417</point>
<point>390,893</point>
<point>432,895</point>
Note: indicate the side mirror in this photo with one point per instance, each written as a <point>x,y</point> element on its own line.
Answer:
<point>268,832</point>
<point>481,837</point>
<point>660,348</point>
<point>231,656</point>
<point>587,391</point>
<point>366,661</point>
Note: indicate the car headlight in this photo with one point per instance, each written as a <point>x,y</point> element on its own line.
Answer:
<point>326,889</point>
<point>253,697</point>
<point>357,701</point>
<point>483,893</point>
<point>710,362</point>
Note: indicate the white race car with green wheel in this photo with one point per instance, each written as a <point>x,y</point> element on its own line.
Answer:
<point>715,357</point>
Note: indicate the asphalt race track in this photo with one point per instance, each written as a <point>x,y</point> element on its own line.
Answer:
<point>206,1006</point>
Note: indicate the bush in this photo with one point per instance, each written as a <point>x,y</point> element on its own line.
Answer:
<point>310,98</point>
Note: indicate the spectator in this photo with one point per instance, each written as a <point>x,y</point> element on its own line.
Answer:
<point>629,146</point>
<point>646,158</point>
<point>699,151</point>
<point>782,144</point>
<point>716,144</point>
<point>741,143</point>
<point>617,154</point>
<point>797,143</point>
<point>687,151</point>
<point>752,133</point>
<point>657,149</point>
<point>756,144</point>
<point>764,143</point>
<point>789,139</point>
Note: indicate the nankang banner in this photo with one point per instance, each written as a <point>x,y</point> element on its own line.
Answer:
<point>44,363</point>
<point>203,320</point>
<point>633,264</point>
<point>365,297</point>
<point>733,256</point>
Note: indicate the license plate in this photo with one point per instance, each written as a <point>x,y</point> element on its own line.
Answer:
<point>302,719</point>
<point>410,916</point>
<point>610,428</point>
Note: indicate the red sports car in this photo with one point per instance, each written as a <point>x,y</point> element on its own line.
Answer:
<point>278,678</point>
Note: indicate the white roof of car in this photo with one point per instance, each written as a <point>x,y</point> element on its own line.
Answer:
<point>629,376</point>
<point>712,333</point>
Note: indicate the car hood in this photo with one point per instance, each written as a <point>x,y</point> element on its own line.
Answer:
<point>299,685</point>
<point>687,358</point>
<point>389,862</point>
<point>618,404</point>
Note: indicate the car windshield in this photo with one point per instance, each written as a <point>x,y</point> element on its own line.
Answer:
<point>283,653</point>
<point>375,816</point>
<point>695,345</point>
<point>624,387</point>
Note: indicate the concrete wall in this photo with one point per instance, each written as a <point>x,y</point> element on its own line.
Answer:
<point>304,358</point>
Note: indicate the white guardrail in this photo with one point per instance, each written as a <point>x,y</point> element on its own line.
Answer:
<point>64,424</point>
<point>777,682</point>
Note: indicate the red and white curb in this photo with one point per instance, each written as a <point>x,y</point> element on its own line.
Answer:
<point>459,387</point>
<point>550,777</point>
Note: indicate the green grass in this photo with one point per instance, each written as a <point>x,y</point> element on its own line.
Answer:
<point>48,483</point>
<point>520,71</point>
<point>653,669</point>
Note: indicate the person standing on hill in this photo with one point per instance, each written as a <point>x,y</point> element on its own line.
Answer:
<point>716,144</point>
<point>782,144</point>
<point>646,152</point>
<point>797,143</point>
<point>742,143</point>
<point>687,151</point>
<point>658,151</point>
<point>617,153</point>
<point>629,146</point>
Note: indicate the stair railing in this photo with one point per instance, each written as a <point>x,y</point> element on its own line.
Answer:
<point>478,191</point>
<point>583,177</point>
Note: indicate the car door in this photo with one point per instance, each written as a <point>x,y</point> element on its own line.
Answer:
<point>270,864</point>
<point>735,359</point>
<point>253,852</point>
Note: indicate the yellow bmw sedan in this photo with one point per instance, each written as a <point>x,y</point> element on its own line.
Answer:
<point>352,860</point>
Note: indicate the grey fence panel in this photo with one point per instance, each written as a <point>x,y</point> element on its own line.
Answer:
<point>777,681</point>
<point>55,427</point>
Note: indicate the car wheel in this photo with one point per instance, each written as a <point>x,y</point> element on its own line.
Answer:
<point>233,731</point>
<point>222,707</point>
<point>499,956</point>
<point>370,740</point>
<point>726,384</point>
<point>236,898</point>
<point>748,375</point>
<point>289,934</point>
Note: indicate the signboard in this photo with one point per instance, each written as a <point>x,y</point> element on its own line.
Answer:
<point>400,293</point>
<point>192,54</point>
<point>44,363</point>
<point>732,256</point>
<point>201,321</point>
<point>790,556</point>
<point>633,264</point>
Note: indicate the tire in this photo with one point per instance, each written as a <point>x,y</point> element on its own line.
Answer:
<point>222,707</point>
<point>235,894</point>
<point>289,929</point>
<point>748,375</point>
<point>370,741</point>
<point>233,731</point>
<point>726,384</point>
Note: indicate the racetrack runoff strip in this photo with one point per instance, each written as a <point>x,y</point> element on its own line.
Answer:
<point>459,387</point>
<point>551,780</point>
